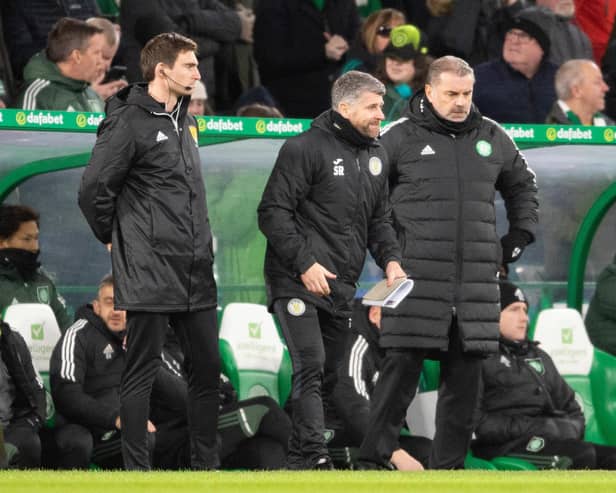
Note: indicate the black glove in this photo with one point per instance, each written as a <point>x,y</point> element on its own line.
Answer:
<point>513,244</point>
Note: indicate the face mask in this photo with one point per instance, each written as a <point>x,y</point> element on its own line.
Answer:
<point>25,262</point>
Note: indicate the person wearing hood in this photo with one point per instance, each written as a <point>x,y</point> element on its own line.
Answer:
<point>143,195</point>
<point>22,280</point>
<point>325,202</point>
<point>518,87</point>
<point>526,409</point>
<point>58,77</point>
<point>446,163</point>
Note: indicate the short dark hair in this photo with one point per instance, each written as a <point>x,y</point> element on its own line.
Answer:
<point>13,216</point>
<point>66,35</point>
<point>163,48</point>
<point>351,85</point>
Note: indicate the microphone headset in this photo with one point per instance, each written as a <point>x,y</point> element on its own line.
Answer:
<point>187,88</point>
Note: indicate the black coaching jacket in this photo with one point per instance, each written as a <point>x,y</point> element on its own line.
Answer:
<point>326,201</point>
<point>143,192</point>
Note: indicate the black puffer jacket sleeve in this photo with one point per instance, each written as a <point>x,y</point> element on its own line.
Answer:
<point>287,186</point>
<point>103,178</point>
<point>517,185</point>
<point>382,241</point>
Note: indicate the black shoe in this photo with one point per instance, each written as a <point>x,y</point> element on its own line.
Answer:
<point>323,464</point>
<point>363,465</point>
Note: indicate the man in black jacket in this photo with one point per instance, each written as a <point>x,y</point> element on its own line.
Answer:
<point>526,409</point>
<point>325,202</point>
<point>143,192</point>
<point>22,400</point>
<point>446,162</point>
<point>85,372</point>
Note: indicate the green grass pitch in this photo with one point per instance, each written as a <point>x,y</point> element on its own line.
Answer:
<point>308,482</point>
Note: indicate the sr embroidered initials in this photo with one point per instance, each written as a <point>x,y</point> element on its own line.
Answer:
<point>338,170</point>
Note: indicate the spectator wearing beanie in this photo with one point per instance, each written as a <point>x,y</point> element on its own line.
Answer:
<point>527,410</point>
<point>403,68</point>
<point>519,86</point>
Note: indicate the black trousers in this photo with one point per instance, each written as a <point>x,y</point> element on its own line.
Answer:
<point>395,389</point>
<point>583,455</point>
<point>197,333</point>
<point>253,434</point>
<point>26,439</point>
<point>316,340</point>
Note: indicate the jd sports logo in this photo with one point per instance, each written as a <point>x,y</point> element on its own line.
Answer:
<point>161,136</point>
<point>254,330</point>
<point>427,151</point>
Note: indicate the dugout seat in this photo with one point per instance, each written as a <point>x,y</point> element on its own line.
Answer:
<point>38,326</point>
<point>253,355</point>
<point>588,370</point>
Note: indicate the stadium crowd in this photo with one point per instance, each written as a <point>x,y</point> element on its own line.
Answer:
<point>283,55</point>
<point>135,378</point>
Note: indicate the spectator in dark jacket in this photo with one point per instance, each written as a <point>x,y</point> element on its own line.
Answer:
<point>581,95</point>
<point>26,24</point>
<point>526,408</point>
<point>22,400</point>
<point>209,23</point>
<point>519,87</point>
<point>300,47</point>
<point>568,41</point>
<point>143,191</point>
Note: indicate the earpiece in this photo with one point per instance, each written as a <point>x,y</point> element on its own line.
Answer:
<point>187,88</point>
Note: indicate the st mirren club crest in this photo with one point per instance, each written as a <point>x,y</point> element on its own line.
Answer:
<point>296,307</point>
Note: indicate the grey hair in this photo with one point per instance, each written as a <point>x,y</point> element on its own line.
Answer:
<point>568,75</point>
<point>351,85</point>
<point>450,64</point>
<point>105,281</point>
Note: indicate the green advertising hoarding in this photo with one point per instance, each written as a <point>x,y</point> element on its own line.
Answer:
<point>235,127</point>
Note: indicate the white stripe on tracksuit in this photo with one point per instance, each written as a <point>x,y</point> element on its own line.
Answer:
<point>32,92</point>
<point>67,369</point>
<point>355,365</point>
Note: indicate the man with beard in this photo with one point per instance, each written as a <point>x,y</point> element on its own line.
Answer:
<point>446,163</point>
<point>326,201</point>
<point>21,278</point>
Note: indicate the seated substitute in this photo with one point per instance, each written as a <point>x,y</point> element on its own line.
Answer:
<point>21,278</point>
<point>526,409</point>
<point>22,402</point>
<point>85,371</point>
<point>348,408</point>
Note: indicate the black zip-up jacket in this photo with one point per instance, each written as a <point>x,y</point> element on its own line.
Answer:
<point>85,372</point>
<point>143,192</point>
<point>443,179</point>
<point>30,403</point>
<point>326,201</point>
<point>522,396</point>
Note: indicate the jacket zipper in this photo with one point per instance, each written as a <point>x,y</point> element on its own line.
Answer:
<point>459,232</point>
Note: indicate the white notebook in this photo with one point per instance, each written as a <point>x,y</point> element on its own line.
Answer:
<point>388,296</point>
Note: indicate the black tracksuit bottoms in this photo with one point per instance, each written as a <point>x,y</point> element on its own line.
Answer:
<point>197,333</point>
<point>395,389</point>
<point>316,340</point>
